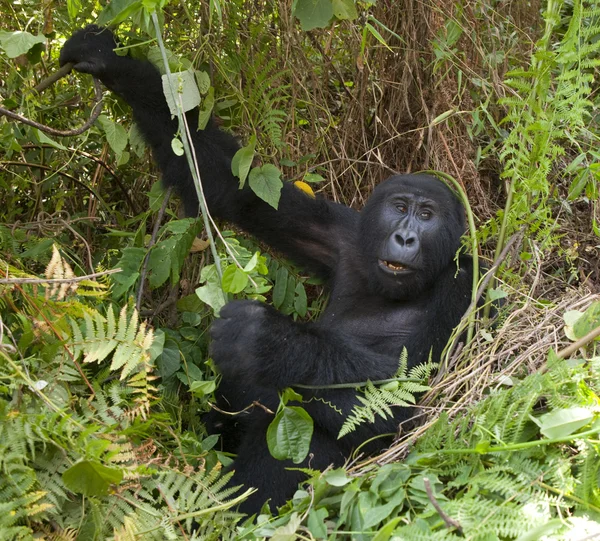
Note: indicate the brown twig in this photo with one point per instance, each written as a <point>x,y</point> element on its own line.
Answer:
<point>583,341</point>
<point>449,521</point>
<point>96,110</point>
<point>100,162</point>
<point>50,80</point>
<point>152,242</point>
<point>61,173</point>
<point>57,280</point>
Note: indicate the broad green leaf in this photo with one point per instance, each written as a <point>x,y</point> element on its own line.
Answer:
<point>589,321</point>
<point>386,531</point>
<point>43,138</point>
<point>91,478</point>
<point>205,112</point>
<point>169,360</point>
<point>115,134</point>
<point>290,394</point>
<point>266,182</point>
<point>242,161</point>
<point>177,146</point>
<point>203,81</point>
<point>157,344</point>
<point>562,423</point>
<point>117,11</point>
<point>313,13</point>
<point>313,177</point>
<point>18,43</point>
<point>570,317</point>
<point>300,301</point>
<point>289,434</point>
<point>212,294</point>
<point>253,263</point>
<point>316,522</point>
<point>337,477</point>
<point>159,263</point>
<point>234,279</point>
<point>73,8</point>
<point>497,293</point>
<point>279,290</point>
<point>180,91</point>
<point>344,9</point>
<point>202,388</point>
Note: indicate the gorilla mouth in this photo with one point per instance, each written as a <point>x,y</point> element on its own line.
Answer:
<point>392,265</point>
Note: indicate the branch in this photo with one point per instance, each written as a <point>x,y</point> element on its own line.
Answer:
<point>58,74</point>
<point>96,110</point>
<point>583,341</point>
<point>152,242</point>
<point>57,280</point>
<point>449,521</point>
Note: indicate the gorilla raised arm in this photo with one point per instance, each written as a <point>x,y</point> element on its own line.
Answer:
<point>390,269</point>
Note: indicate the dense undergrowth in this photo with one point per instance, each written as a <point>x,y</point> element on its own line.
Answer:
<point>104,375</point>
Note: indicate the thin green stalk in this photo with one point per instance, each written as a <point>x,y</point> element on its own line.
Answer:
<point>474,246</point>
<point>517,446</point>
<point>188,150</point>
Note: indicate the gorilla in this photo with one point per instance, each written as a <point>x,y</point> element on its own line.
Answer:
<point>392,272</point>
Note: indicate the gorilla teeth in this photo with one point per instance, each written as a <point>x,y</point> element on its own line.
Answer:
<point>393,266</point>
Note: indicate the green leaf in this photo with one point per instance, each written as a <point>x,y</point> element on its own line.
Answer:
<point>43,138</point>
<point>180,91</point>
<point>18,43</point>
<point>169,360</point>
<point>386,531</point>
<point>115,134</point>
<point>289,434</point>
<point>177,146</point>
<point>316,522</point>
<point>200,389</point>
<point>337,477</point>
<point>159,263</point>
<point>212,294</point>
<point>562,423</point>
<point>589,321</point>
<point>300,301</point>
<point>234,279</point>
<point>91,478</point>
<point>203,81</point>
<point>266,182</point>
<point>344,9</point>
<point>205,112</point>
<point>242,161</point>
<point>117,11</point>
<point>279,291</point>
<point>313,13</point>
<point>73,8</point>
<point>313,177</point>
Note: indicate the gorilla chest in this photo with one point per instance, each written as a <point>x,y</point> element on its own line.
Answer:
<point>382,327</point>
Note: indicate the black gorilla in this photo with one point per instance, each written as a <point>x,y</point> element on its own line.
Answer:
<point>391,271</point>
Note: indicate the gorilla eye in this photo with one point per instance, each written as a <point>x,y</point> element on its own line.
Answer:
<point>402,208</point>
<point>425,214</point>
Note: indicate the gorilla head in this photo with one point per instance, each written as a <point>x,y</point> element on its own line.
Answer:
<point>410,231</point>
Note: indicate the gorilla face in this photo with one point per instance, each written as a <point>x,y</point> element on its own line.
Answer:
<point>410,230</point>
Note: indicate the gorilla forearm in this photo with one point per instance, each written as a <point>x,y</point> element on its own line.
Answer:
<point>253,342</point>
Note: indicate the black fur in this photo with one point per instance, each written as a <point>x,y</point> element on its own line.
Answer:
<point>414,222</point>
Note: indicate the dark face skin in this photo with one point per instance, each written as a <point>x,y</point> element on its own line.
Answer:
<point>410,232</point>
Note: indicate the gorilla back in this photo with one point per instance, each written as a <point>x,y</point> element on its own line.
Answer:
<point>391,271</point>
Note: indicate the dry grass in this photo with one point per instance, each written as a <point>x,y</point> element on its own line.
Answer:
<point>519,347</point>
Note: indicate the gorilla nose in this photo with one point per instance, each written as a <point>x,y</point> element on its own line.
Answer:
<point>407,239</point>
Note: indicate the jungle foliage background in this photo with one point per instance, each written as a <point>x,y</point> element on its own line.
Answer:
<point>104,375</point>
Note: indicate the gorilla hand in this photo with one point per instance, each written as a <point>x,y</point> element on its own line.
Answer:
<point>91,50</point>
<point>244,340</point>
